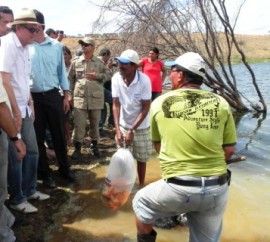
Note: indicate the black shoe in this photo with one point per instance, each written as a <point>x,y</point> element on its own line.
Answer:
<point>49,182</point>
<point>95,150</point>
<point>19,221</point>
<point>68,175</point>
<point>102,133</point>
<point>76,154</point>
<point>110,126</point>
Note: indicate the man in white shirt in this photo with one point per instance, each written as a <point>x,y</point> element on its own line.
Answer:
<point>15,70</point>
<point>131,93</point>
<point>7,127</point>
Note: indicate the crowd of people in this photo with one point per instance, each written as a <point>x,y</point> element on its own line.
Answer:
<point>192,130</point>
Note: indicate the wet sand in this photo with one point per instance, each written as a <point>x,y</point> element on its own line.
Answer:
<point>85,218</point>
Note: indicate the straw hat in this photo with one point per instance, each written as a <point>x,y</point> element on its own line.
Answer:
<point>24,16</point>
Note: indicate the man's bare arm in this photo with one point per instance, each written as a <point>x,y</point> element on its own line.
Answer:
<point>7,125</point>
<point>11,96</point>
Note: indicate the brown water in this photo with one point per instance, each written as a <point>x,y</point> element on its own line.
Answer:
<point>85,218</point>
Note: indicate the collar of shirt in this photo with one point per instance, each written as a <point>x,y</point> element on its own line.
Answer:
<point>16,40</point>
<point>135,80</point>
<point>82,58</point>
<point>45,42</point>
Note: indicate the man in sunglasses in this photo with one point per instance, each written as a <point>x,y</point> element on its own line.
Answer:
<point>7,127</point>
<point>87,74</point>
<point>15,69</point>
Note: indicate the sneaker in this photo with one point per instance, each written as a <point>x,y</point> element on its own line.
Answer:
<point>24,207</point>
<point>39,196</point>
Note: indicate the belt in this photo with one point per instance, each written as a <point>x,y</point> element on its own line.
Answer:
<point>200,181</point>
<point>54,90</point>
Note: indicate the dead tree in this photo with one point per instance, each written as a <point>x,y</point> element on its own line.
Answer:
<point>175,27</point>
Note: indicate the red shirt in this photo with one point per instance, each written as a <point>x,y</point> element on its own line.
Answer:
<point>153,71</point>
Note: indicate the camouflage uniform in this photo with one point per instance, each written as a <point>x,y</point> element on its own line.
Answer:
<point>87,95</point>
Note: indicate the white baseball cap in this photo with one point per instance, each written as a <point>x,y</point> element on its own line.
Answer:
<point>190,61</point>
<point>129,56</point>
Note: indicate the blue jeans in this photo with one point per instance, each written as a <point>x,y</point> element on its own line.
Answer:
<point>6,222</point>
<point>204,207</point>
<point>6,218</point>
<point>3,161</point>
<point>22,174</point>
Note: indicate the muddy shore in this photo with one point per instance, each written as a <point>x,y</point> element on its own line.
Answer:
<point>36,227</point>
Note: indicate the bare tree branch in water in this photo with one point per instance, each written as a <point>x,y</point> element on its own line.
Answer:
<point>176,27</point>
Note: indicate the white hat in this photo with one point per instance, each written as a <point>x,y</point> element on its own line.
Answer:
<point>129,56</point>
<point>190,61</point>
<point>24,16</point>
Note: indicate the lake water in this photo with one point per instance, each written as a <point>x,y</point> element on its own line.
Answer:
<point>247,217</point>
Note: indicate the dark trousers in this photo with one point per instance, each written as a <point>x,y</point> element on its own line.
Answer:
<point>49,112</point>
<point>155,95</point>
<point>104,113</point>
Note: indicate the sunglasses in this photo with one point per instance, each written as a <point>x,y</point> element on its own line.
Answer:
<point>85,45</point>
<point>31,30</point>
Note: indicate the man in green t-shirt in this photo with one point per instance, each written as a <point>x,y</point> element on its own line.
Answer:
<point>194,133</point>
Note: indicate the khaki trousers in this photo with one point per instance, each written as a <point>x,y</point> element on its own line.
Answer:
<point>81,118</point>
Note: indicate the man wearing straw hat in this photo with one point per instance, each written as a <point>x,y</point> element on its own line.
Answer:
<point>15,69</point>
<point>7,128</point>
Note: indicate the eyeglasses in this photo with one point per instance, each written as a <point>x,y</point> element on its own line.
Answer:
<point>85,45</point>
<point>31,30</point>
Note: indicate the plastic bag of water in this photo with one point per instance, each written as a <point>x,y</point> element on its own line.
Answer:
<point>120,179</point>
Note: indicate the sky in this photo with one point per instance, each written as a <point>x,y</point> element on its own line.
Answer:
<point>77,16</point>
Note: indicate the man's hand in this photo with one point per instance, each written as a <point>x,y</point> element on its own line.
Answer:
<point>20,147</point>
<point>119,137</point>
<point>129,137</point>
<point>91,76</point>
<point>66,104</point>
<point>236,159</point>
<point>71,103</point>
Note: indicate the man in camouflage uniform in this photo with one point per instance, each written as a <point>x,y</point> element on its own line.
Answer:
<point>86,77</point>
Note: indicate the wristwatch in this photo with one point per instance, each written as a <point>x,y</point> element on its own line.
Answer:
<point>132,131</point>
<point>17,137</point>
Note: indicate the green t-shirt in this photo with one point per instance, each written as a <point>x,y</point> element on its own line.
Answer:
<point>192,126</point>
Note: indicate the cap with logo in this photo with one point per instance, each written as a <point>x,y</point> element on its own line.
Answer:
<point>191,61</point>
<point>87,40</point>
<point>129,56</point>
<point>24,16</point>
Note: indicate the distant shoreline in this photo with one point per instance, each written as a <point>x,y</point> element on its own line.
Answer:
<point>255,47</point>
